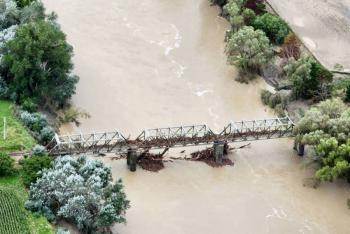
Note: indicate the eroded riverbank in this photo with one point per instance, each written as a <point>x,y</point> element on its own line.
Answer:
<point>162,63</point>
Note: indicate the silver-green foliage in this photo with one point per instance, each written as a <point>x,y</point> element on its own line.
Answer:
<point>326,127</point>
<point>79,190</point>
<point>249,49</point>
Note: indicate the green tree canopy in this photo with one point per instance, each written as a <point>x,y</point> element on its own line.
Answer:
<point>38,63</point>
<point>275,28</point>
<point>326,127</point>
<point>249,49</point>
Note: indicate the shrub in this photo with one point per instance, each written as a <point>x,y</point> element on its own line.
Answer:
<point>8,14</point>
<point>7,165</point>
<point>34,121</point>
<point>249,49</point>
<point>46,135</point>
<point>218,2</point>
<point>4,90</point>
<point>248,16</point>
<point>347,95</point>
<point>291,47</point>
<point>258,6</point>
<point>320,72</point>
<point>234,9</point>
<point>275,101</point>
<point>32,166</point>
<point>29,105</point>
<point>299,73</point>
<point>81,191</point>
<point>275,28</point>
<point>23,3</point>
<point>39,150</point>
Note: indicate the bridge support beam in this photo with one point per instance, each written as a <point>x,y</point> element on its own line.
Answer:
<point>301,149</point>
<point>131,159</point>
<point>218,150</point>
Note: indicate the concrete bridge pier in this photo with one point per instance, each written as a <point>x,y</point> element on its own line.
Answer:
<point>218,150</point>
<point>131,159</point>
<point>301,149</point>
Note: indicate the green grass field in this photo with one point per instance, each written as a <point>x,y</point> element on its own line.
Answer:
<point>17,137</point>
<point>13,215</point>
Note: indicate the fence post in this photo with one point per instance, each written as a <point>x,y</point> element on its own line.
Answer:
<point>301,149</point>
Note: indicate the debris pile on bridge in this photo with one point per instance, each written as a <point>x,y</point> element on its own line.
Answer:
<point>151,162</point>
<point>207,156</point>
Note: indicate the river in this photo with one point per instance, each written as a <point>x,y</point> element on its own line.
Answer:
<point>160,63</point>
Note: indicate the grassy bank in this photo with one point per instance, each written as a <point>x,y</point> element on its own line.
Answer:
<point>19,219</point>
<point>17,137</point>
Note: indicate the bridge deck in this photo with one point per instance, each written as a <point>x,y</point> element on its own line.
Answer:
<point>171,137</point>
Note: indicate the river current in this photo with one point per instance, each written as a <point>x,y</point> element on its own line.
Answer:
<point>160,63</point>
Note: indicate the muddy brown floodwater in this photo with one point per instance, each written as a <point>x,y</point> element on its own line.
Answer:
<point>159,63</point>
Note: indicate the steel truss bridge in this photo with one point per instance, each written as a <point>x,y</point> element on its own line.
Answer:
<point>158,138</point>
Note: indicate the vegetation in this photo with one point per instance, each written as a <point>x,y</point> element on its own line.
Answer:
<point>7,165</point>
<point>291,47</point>
<point>80,191</point>
<point>249,49</point>
<point>275,101</point>
<point>275,28</point>
<point>234,10</point>
<point>12,217</point>
<point>23,3</point>
<point>347,95</point>
<point>17,137</point>
<point>309,78</point>
<point>326,127</point>
<point>38,63</point>
<point>32,166</point>
<point>28,221</point>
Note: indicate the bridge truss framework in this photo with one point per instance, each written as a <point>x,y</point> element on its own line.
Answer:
<point>182,136</point>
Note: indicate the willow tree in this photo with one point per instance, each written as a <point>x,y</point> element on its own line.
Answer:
<point>249,49</point>
<point>326,128</point>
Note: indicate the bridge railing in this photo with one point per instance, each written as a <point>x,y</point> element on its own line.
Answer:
<point>81,143</point>
<point>257,129</point>
<point>172,137</point>
<point>175,136</point>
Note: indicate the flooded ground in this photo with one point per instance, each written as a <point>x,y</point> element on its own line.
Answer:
<point>160,63</point>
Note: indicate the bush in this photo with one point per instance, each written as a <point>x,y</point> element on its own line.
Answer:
<point>81,191</point>
<point>258,6</point>
<point>291,47</point>
<point>46,135</point>
<point>234,9</point>
<point>7,165</point>
<point>29,105</point>
<point>249,49</point>
<point>299,72</point>
<point>275,28</point>
<point>8,14</point>
<point>23,3</point>
<point>32,166</point>
<point>275,101</point>
<point>4,90</point>
<point>248,16</point>
<point>39,150</point>
<point>34,121</point>
<point>347,95</point>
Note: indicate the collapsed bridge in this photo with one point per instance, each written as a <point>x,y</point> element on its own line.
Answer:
<point>163,138</point>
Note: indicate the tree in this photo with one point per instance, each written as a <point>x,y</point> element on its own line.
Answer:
<point>258,6</point>
<point>234,9</point>
<point>32,166</point>
<point>9,14</point>
<point>291,47</point>
<point>308,78</point>
<point>23,3</point>
<point>347,95</point>
<point>7,165</point>
<point>275,28</point>
<point>249,49</point>
<point>326,127</point>
<point>80,191</point>
<point>38,64</point>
